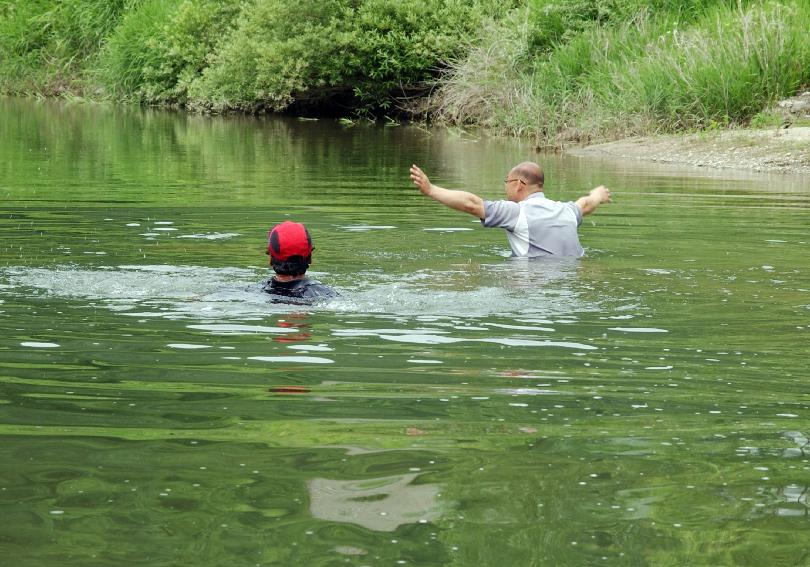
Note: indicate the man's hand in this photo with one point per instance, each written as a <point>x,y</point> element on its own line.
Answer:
<point>601,194</point>
<point>458,200</point>
<point>421,180</point>
<point>596,197</point>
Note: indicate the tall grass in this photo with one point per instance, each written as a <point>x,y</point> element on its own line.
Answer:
<point>717,64</point>
<point>132,54</point>
<point>162,46</point>
<point>46,46</point>
<point>554,70</point>
<point>491,85</point>
<point>722,71</point>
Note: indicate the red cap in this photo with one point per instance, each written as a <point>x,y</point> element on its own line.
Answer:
<point>289,239</point>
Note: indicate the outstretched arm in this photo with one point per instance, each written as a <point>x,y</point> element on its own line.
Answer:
<point>459,200</point>
<point>596,197</point>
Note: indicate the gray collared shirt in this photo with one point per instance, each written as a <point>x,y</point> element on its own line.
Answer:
<point>537,226</point>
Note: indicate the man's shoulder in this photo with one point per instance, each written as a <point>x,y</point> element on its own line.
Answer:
<point>314,288</point>
<point>500,213</point>
<point>540,201</point>
<point>305,288</point>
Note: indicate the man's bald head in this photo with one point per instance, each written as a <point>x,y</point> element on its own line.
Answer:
<point>530,173</point>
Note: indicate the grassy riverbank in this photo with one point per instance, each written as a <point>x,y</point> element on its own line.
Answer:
<point>649,68</point>
<point>348,56</point>
<point>564,71</point>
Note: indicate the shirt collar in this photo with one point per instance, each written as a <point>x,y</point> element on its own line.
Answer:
<point>288,284</point>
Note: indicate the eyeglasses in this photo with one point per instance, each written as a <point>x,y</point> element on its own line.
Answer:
<point>507,180</point>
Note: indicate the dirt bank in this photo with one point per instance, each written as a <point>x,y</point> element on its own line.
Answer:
<point>785,150</point>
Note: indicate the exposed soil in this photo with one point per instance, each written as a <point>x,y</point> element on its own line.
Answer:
<point>784,150</point>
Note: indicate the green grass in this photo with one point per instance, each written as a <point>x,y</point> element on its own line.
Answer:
<point>716,64</point>
<point>132,54</point>
<point>161,47</point>
<point>47,47</point>
<point>723,70</point>
<point>558,71</point>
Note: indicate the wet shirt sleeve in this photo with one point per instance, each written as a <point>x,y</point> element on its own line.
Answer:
<point>500,214</point>
<point>317,290</point>
<point>577,212</point>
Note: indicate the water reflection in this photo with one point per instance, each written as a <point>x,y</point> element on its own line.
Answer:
<point>794,501</point>
<point>182,153</point>
<point>550,390</point>
<point>799,439</point>
<point>536,274</point>
<point>380,504</point>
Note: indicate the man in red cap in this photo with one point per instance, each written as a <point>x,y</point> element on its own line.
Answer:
<point>289,246</point>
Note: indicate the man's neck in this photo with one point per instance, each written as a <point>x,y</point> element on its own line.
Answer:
<point>286,278</point>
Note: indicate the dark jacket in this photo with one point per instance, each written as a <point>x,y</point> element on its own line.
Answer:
<point>305,290</point>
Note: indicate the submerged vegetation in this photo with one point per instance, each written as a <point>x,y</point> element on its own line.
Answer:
<point>555,70</point>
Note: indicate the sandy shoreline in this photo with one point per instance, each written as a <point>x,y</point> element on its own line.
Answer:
<point>783,150</point>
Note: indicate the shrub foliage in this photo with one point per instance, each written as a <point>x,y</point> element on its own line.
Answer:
<point>162,46</point>
<point>249,55</point>
<point>555,69</point>
<point>364,54</point>
<point>579,70</point>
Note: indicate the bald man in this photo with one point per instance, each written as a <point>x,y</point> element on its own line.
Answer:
<point>535,226</point>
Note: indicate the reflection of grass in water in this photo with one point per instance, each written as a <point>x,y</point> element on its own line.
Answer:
<point>260,415</point>
<point>520,485</point>
<point>380,416</point>
<point>217,503</point>
<point>679,504</point>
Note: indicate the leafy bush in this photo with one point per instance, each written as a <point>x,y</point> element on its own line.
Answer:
<point>194,32</point>
<point>161,46</point>
<point>262,53</point>
<point>276,50</point>
<point>361,53</point>
<point>555,69</point>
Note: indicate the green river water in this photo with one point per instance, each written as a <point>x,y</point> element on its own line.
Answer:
<point>645,405</point>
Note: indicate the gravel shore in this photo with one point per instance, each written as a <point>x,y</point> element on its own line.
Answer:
<point>784,150</point>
